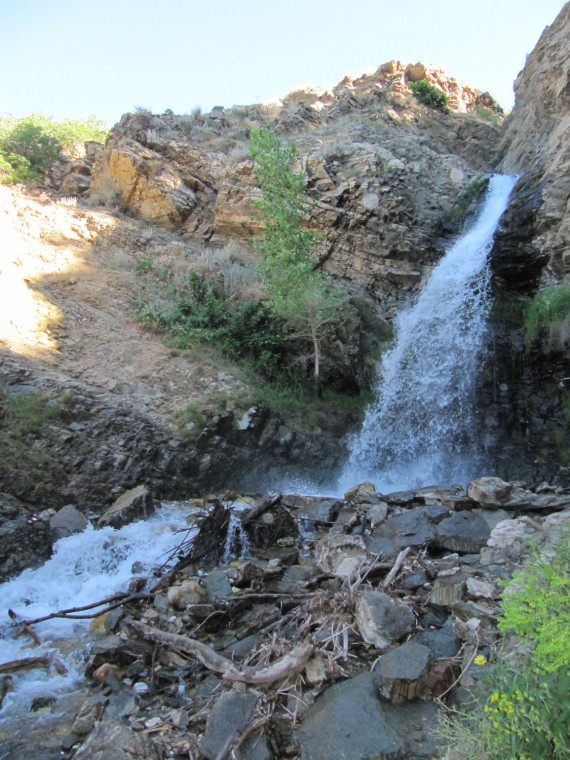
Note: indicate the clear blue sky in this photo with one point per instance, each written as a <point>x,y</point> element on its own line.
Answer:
<point>74,58</point>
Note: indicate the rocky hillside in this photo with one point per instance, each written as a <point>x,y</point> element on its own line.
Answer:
<point>389,177</point>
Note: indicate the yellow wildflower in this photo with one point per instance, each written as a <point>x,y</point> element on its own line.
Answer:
<point>480,660</point>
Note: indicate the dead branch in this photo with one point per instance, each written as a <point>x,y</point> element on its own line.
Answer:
<point>25,628</point>
<point>112,601</point>
<point>29,663</point>
<point>260,509</point>
<point>293,662</point>
<point>389,579</point>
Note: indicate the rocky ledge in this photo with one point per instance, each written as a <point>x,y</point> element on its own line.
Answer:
<point>313,628</point>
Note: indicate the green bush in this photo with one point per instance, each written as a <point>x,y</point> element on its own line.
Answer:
<point>548,318</point>
<point>31,145</point>
<point>203,312</point>
<point>429,95</point>
<point>522,709</point>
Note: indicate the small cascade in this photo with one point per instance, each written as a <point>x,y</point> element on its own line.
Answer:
<point>237,542</point>
<point>84,568</point>
<point>423,426</point>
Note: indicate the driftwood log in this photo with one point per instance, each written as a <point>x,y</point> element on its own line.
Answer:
<point>291,663</point>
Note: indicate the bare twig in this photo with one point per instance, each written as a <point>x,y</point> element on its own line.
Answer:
<point>112,601</point>
<point>389,579</point>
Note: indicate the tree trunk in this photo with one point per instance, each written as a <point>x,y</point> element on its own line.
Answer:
<point>317,353</point>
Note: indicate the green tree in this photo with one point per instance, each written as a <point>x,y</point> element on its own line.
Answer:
<point>299,291</point>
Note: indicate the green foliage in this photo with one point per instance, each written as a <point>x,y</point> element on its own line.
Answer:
<point>429,95</point>
<point>548,318</point>
<point>31,145</point>
<point>522,710</point>
<point>202,312</point>
<point>486,114</point>
<point>537,607</point>
<point>299,292</point>
<point>472,191</point>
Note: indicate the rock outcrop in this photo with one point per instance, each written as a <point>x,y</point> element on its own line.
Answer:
<point>388,175</point>
<point>536,144</point>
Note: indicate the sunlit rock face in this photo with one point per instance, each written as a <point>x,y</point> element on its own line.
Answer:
<point>387,175</point>
<point>536,144</point>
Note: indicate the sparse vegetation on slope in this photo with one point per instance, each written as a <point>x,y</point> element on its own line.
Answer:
<point>31,145</point>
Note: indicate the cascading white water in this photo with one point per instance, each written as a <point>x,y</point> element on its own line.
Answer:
<point>422,428</point>
<point>85,568</point>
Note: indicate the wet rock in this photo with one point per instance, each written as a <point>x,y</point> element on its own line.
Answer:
<point>314,512</point>
<point>135,504</point>
<point>230,715</point>
<point>382,620</point>
<point>364,493</point>
<point>403,672</point>
<point>350,721</point>
<point>89,714</point>
<point>67,521</point>
<point>113,741</point>
<point>218,586</point>
<point>463,532</point>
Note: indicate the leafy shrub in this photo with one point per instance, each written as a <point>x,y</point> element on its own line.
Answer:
<point>522,710</point>
<point>548,317</point>
<point>203,312</point>
<point>31,145</point>
<point>429,95</point>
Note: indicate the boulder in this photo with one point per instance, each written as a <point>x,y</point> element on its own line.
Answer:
<point>113,741</point>
<point>229,716</point>
<point>135,504</point>
<point>67,521</point>
<point>350,721</point>
<point>464,532</point>
<point>341,555</point>
<point>382,620</point>
<point>403,672</point>
<point>489,492</point>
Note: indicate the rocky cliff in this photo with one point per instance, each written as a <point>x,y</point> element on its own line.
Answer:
<point>389,177</point>
<point>527,399</point>
<point>536,145</point>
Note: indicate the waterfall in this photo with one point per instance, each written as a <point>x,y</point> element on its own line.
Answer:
<point>423,428</point>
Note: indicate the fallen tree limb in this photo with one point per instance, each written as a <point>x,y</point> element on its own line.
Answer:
<point>293,662</point>
<point>260,509</point>
<point>111,602</point>
<point>29,663</point>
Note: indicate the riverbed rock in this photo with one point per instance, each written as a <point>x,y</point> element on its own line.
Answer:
<point>230,715</point>
<point>463,532</point>
<point>67,521</point>
<point>110,740</point>
<point>135,504</point>
<point>382,620</point>
<point>350,721</point>
<point>403,672</point>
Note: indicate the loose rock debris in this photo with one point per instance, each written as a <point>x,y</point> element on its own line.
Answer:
<point>269,623</point>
